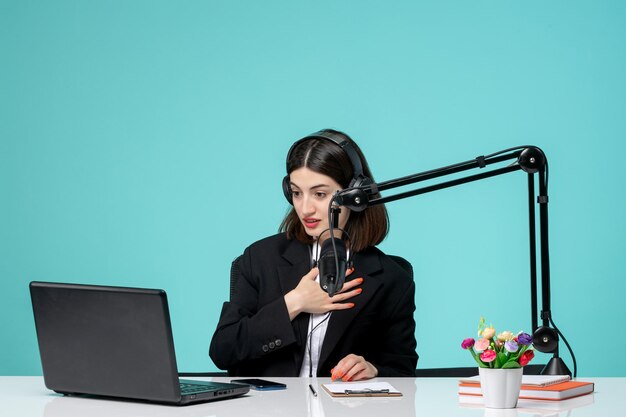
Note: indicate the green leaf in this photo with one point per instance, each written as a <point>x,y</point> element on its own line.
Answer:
<point>510,365</point>
<point>500,359</point>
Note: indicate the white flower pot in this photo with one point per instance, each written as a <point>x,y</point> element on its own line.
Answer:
<point>500,387</point>
<point>503,412</point>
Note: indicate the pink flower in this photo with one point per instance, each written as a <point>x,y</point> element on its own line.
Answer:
<point>488,356</point>
<point>467,343</point>
<point>526,357</point>
<point>482,344</point>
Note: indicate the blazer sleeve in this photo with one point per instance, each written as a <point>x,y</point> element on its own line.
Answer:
<point>252,325</point>
<point>397,356</point>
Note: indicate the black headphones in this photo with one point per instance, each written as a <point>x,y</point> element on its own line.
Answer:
<point>359,179</point>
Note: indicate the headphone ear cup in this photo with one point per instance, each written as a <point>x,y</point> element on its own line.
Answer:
<point>360,181</point>
<point>287,190</point>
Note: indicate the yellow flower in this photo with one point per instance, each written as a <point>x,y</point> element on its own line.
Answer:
<point>505,336</point>
<point>489,332</point>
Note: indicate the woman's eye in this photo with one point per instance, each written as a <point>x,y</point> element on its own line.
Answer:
<point>295,193</point>
<point>320,195</point>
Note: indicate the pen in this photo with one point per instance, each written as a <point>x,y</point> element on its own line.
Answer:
<point>312,390</point>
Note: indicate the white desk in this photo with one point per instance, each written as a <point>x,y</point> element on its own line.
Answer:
<point>27,396</point>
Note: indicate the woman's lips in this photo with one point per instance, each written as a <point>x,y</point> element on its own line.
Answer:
<point>310,223</point>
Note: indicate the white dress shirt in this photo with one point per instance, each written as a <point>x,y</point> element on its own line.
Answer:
<point>318,323</point>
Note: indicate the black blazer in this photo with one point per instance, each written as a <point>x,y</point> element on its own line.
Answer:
<point>254,336</point>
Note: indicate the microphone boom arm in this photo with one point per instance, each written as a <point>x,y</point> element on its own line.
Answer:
<point>531,160</point>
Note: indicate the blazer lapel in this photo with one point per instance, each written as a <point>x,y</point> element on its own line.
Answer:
<point>340,320</point>
<point>298,263</point>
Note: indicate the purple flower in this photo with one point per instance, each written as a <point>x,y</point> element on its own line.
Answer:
<point>524,339</point>
<point>511,346</point>
<point>467,343</point>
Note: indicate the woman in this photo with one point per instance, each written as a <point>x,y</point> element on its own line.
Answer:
<point>279,321</point>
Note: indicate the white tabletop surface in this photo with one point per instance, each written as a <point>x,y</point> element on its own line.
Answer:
<point>27,396</point>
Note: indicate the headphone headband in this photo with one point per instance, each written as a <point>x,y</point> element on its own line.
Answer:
<point>341,140</point>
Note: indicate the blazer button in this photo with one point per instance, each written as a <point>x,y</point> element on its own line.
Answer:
<point>278,342</point>
<point>272,345</point>
<point>265,348</point>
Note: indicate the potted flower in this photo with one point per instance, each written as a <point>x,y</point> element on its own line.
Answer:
<point>500,358</point>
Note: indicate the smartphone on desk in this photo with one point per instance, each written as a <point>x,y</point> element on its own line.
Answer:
<point>260,384</point>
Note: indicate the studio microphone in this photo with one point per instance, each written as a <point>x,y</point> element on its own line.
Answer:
<point>332,269</point>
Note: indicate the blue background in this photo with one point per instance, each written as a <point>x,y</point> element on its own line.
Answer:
<point>142,143</point>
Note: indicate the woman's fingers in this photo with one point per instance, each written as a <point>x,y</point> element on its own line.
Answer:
<point>348,290</point>
<point>309,297</point>
<point>348,285</point>
<point>312,274</point>
<point>353,368</point>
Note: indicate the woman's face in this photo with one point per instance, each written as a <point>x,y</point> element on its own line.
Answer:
<point>312,193</point>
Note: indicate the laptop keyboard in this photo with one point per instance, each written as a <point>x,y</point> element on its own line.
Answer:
<point>186,388</point>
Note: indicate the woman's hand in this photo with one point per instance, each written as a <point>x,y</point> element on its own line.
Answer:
<point>308,297</point>
<point>353,368</point>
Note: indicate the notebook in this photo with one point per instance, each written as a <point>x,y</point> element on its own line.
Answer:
<point>534,380</point>
<point>113,342</point>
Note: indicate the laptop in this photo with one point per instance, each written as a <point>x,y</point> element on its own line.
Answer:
<point>113,342</point>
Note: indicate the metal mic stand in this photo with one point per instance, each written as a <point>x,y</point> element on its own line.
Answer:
<point>531,160</point>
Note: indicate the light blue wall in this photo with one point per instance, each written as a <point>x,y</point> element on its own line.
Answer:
<point>142,143</point>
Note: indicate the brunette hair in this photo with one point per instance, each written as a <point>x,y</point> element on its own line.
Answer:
<point>366,228</point>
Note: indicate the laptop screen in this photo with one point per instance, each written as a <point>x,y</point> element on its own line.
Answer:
<point>110,341</point>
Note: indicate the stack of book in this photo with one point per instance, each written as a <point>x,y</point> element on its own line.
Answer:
<point>537,391</point>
